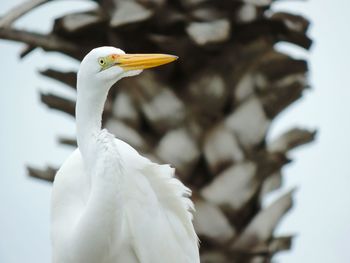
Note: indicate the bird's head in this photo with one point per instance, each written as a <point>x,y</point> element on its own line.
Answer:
<point>104,66</point>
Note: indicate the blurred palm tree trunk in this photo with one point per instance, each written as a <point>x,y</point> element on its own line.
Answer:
<point>207,115</point>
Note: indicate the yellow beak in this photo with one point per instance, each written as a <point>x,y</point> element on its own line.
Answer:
<point>141,61</point>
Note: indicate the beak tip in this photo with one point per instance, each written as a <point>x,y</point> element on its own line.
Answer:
<point>174,57</point>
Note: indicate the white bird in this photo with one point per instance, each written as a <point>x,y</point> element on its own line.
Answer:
<point>110,204</point>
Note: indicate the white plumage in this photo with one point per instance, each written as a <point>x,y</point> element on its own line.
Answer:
<point>109,203</point>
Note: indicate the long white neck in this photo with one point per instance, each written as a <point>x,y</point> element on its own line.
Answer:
<point>89,109</point>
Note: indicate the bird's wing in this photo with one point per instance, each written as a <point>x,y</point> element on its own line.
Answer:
<point>69,194</point>
<point>158,214</point>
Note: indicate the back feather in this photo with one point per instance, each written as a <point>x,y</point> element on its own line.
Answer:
<point>166,226</point>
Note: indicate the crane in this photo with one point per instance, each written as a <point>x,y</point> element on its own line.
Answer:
<point>109,203</point>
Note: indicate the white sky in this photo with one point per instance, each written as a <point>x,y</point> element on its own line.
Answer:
<point>321,172</point>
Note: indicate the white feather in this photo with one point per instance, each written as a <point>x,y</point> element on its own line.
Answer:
<point>157,222</point>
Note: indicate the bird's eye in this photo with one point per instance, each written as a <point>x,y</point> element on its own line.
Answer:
<point>102,61</point>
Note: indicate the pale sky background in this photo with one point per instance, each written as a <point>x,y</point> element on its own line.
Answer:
<point>321,171</point>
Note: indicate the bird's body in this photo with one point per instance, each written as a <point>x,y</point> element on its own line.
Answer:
<point>110,204</point>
